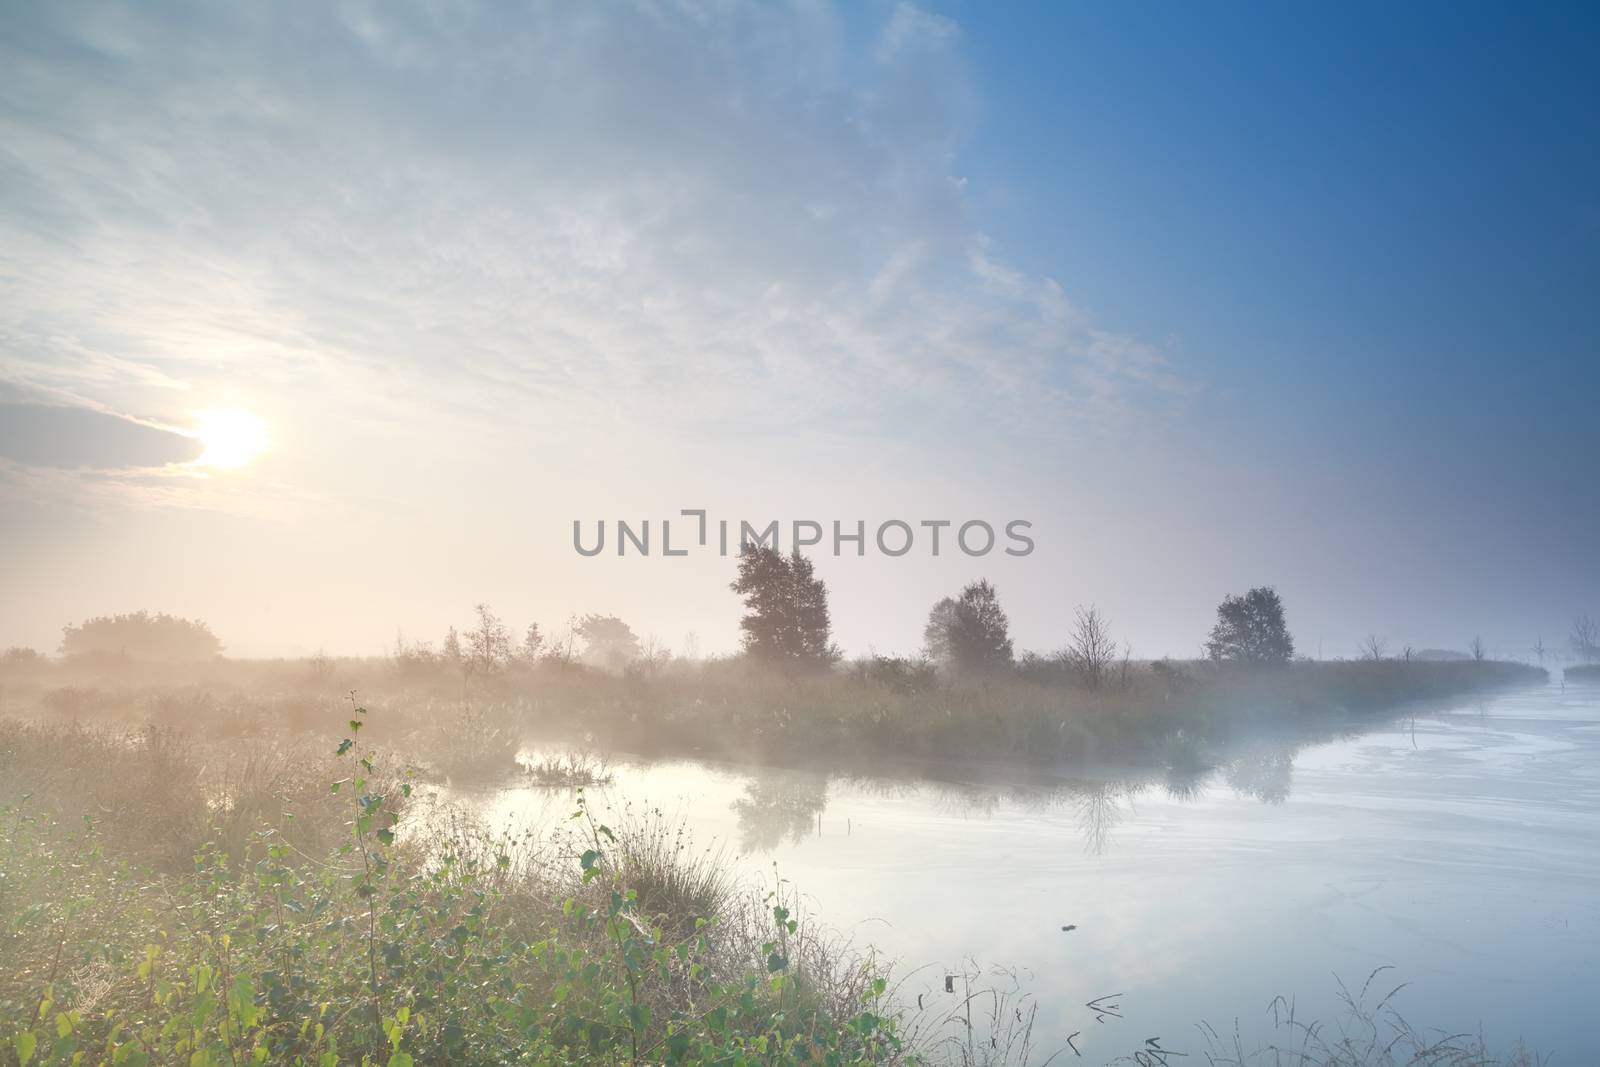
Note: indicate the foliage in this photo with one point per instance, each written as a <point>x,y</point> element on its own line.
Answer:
<point>897,673</point>
<point>455,949</point>
<point>488,647</point>
<point>1250,629</point>
<point>532,644</point>
<point>970,633</point>
<point>607,641</point>
<point>142,636</point>
<point>575,770</point>
<point>786,609</point>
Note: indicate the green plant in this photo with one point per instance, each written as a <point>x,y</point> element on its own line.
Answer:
<point>393,947</point>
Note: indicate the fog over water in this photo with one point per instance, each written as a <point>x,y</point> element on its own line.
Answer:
<point>1456,848</point>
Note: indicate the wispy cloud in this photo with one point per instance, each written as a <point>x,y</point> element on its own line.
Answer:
<point>670,216</point>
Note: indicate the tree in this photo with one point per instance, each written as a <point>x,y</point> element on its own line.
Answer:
<point>560,650</point>
<point>1585,639</point>
<point>607,641</point>
<point>1250,630</point>
<point>162,638</point>
<point>489,644</point>
<point>969,633</point>
<point>1374,649</point>
<point>786,608</point>
<point>532,644</point>
<point>1477,649</point>
<point>1091,651</point>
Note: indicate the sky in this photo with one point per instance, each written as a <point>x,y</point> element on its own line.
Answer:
<point>325,323</point>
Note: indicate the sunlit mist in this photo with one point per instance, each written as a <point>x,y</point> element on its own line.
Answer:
<point>232,438</point>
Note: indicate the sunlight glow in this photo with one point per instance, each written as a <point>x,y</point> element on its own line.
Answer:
<point>232,438</point>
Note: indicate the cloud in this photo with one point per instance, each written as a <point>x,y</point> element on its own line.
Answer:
<point>685,219</point>
<point>43,436</point>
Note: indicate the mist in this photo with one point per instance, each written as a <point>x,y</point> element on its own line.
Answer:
<point>890,533</point>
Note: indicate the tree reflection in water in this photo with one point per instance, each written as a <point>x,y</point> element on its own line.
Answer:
<point>779,806</point>
<point>1265,774</point>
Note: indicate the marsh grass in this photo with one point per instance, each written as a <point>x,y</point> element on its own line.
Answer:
<point>574,770</point>
<point>471,729</point>
<point>447,944</point>
<point>1371,1032</point>
<point>1588,673</point>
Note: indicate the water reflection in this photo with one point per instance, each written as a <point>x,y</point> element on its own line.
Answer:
<point>1259,863</point>
<point>1099,811</point>
<point>1265,774</point>
<point>779,806</point>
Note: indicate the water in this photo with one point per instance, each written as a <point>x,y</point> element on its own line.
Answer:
<point>1461,848</point>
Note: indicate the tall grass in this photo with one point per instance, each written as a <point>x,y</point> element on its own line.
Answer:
<point>472,731</point>
<point>450,946</point>
<point>1371,1033</point>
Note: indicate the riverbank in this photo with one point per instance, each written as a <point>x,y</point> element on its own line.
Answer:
<point>1157,715</point>
<point>159,908</point>
<point>1588,673</point>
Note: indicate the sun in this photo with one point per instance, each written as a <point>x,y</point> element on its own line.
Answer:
<point>232,438</point>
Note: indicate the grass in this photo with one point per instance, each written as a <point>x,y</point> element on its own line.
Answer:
<point>471,730</point>
<point>330,933</point>
<point>1588,672</point>
<point>575,770</point>
<point>1371,1033</point>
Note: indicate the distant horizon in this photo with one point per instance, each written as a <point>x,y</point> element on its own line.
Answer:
<point>1556,648</point>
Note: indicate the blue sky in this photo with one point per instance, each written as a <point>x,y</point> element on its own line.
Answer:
<point>1359,200</point>
<point>1215,295</point>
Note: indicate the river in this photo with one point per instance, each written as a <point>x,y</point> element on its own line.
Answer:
<point>1460,848</point>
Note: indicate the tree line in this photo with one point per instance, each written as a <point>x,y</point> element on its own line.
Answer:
<point>786,623</point>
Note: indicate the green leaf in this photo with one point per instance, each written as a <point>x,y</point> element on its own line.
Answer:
<point>776,962</point>
<point>25,1044</point>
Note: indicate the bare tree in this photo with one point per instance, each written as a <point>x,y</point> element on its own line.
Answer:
<point>561,649</point>
<point>654,654</point>
<point>532,644</point>
<point>1538,650</point>
<point>1091,651</point>
<point>1585,639</point>
<point>488,644</point>
<point>1373,648</point>
<point>1476,648</point>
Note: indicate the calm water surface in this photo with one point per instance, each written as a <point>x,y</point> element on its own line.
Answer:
<point>1461,848</point>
